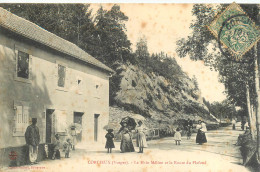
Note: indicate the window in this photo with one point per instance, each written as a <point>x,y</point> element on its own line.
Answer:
<point>79,81</point>
<point>61,75</point>
<point>97,90</point>
<point>23,65</point>
<point>21,120</point>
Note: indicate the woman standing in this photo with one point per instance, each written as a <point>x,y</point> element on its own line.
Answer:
<point>141,139</point>
<point>201,137</point>
<point>126,141</point>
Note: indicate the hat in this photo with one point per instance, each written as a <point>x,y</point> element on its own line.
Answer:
<point>34,120</point>
<point>110,130</point>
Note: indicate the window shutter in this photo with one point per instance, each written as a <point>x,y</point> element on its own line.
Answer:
<point>25,118</point>
<point>16,63</point>
<point>18,121</point>
<point>30,67</point>
<point>66,77</point>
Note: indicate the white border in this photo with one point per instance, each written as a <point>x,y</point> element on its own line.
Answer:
<point>132,1</point>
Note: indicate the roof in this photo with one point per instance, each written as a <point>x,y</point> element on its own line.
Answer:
<point>34,32</point>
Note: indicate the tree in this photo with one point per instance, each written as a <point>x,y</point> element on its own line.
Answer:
<point>77,27</point>
<point>239,78</point>
<point>201,45</point>
<point>195,82</point>
<point>141,51</point>
<point>223,110</point>
<point>110,31</point>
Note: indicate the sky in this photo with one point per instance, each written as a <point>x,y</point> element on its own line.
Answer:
<point>163,25</point>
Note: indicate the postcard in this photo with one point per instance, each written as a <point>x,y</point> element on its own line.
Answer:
<point>121,86</point>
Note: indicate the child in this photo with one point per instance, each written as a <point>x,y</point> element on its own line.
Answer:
<point>234,124</point>
<point>110,143</point>
<point>67,147</point>
<point>56,144</point>
<point>188,132</point>
<point>177,136</point>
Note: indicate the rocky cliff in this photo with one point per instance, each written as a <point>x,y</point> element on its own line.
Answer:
<point>160,100</point>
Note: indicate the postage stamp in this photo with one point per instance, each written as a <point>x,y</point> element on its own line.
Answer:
<point>235,30</point>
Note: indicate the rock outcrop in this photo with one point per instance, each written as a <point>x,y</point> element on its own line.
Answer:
<point>159,100</point>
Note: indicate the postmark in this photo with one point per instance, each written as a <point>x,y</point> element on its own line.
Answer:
<point>235,33</point>
<point>235,30</point>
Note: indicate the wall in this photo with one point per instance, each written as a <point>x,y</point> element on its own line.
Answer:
<point>43,92</point>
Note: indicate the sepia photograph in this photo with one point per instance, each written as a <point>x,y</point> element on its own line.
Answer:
<point>119,86</point>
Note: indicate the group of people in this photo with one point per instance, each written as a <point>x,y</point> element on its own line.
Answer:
<point>127,143</point>
<point>201,130</point>
<point>32,138</point>
<point>244,123</point>
<point>66,147</point>
<point>126,139</point>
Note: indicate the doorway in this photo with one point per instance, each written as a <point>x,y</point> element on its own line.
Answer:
<point>49,125</point>
<point>78,119</point>
<point>96,127</point>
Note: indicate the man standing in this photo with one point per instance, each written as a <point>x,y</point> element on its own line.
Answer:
<point>190,123</point>
<point>32,138</point>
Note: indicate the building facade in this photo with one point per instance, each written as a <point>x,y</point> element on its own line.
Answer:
<point>46,77</point>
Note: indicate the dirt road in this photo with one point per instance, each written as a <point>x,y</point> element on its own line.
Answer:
<point>219,154</point>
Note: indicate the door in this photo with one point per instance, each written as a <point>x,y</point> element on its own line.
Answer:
<point>96,127</point>
<point>78,119</point>
<point>49,125</point>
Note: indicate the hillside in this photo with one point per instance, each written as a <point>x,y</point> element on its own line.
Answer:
<point>160,100</point>
<point>152,85</point>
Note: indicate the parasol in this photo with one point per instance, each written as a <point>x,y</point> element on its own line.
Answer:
<point>109,126</point>
<point>130,122</point>
<point>138,117</point>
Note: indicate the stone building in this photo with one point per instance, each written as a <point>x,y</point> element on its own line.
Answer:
<point>46,77</point>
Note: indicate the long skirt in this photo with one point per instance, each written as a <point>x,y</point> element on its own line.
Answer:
<point>126,143</point>
<point>141,140</point>
<point>201,137</point>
